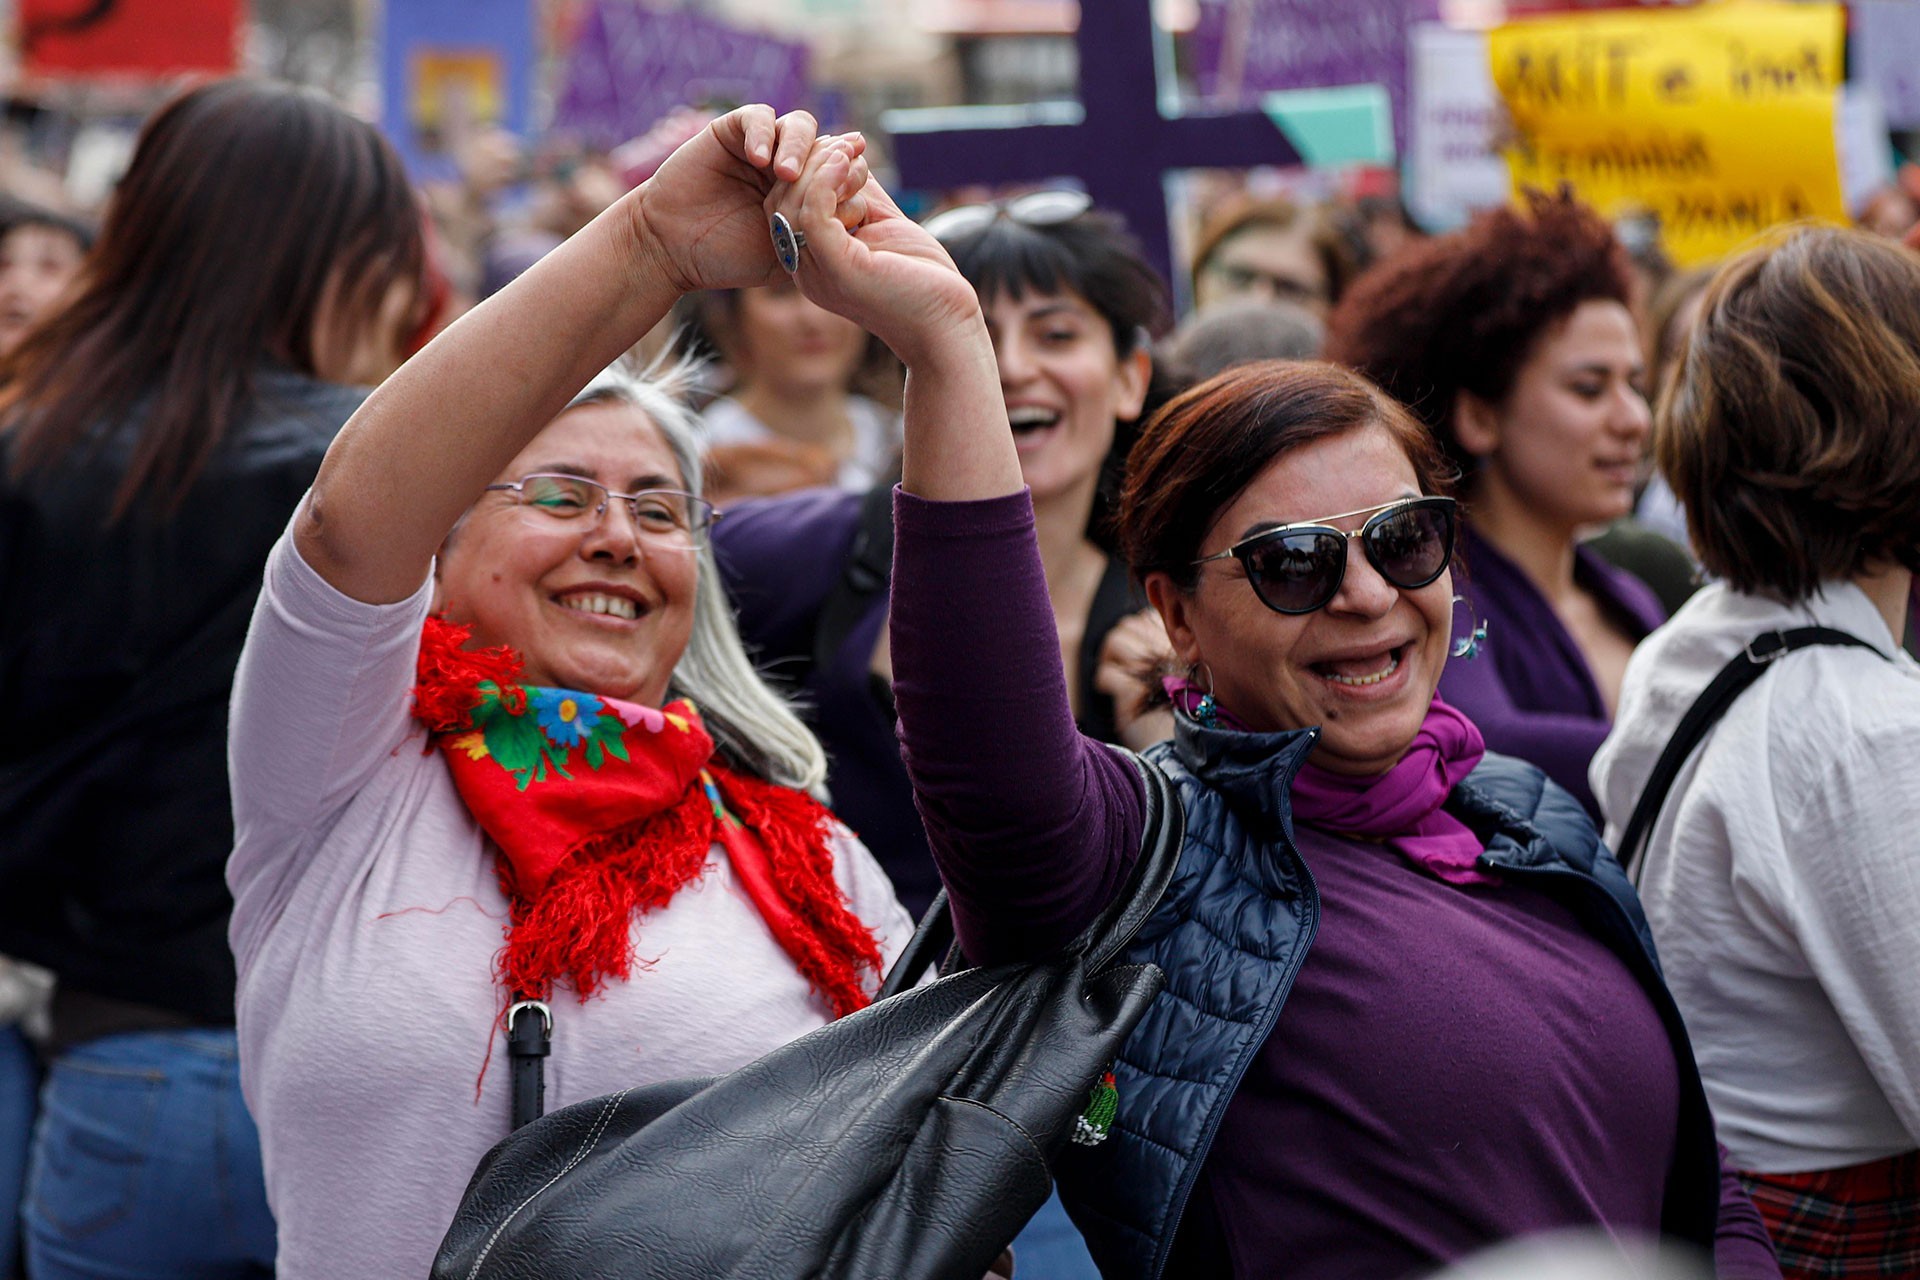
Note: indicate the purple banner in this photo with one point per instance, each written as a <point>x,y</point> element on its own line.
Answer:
<point>630,66</point>
<point>1239,49</point>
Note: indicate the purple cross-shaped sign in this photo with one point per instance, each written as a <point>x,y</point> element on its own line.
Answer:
<point>1118,140</point>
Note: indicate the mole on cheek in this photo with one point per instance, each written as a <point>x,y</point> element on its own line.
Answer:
<point>499,577</point>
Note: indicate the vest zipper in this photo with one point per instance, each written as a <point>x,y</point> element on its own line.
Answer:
<point>1192,1175</point>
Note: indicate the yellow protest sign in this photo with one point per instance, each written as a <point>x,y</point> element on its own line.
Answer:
<point>1717,120</point>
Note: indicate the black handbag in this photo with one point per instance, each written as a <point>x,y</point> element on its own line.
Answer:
<point>911,1140</point>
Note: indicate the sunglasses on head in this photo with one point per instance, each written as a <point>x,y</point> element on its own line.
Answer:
<point>1298,568</point>
<point>1035,209</point>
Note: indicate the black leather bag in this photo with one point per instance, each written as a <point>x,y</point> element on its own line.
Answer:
<point>911,1140</point>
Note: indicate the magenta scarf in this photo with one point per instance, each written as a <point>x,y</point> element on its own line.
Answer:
<point>1399,808</point>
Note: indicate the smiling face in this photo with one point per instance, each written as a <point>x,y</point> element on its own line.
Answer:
<point>1567,442</point>
<point>790,345</point>
<point>1364,668</point>
<point>1065,387</point>
<point>589,603</point>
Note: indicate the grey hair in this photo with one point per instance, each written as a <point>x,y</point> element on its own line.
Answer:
<point>752,724</point>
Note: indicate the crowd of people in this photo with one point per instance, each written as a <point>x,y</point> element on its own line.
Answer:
<point>416,724</point>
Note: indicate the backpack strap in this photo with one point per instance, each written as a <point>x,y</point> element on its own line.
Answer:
<point>1747,666</point>
<point>868,572</point>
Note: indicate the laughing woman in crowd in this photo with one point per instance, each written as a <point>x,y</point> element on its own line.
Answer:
<point>1070,302</point>
<point>493,692</point>
<point>1513,341</point>
<point>1410,1005</point>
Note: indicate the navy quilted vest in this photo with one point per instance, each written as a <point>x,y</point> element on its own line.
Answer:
<point>1232,932</point>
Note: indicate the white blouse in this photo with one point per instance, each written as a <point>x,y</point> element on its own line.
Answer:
<point>1782,879</point>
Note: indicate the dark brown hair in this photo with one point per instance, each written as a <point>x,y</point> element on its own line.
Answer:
<point>244,203</point>
<point>1463,312</point>
<point>1336,259</point>
<point>1792,431</point>
<point>1196,455</point>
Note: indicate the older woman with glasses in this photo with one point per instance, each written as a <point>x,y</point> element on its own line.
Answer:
<point>1411,1008</point>
<point>517,825</point>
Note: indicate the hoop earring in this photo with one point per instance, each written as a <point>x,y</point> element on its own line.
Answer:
<point>1468,647</point>
<point>1207,710</point>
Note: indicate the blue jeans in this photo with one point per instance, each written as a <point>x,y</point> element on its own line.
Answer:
<point>1050,1247</point>
<point>19,1096</point>
<point>146,1165</point>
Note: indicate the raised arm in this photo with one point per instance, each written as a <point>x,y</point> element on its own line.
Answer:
<point>1034,826</point>
<point>423,446</point>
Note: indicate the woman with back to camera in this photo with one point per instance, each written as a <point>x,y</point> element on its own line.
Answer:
<point>1513,341</point>
<point>560,814</point>
<point>1780,877</point>
<point>259,259</point>
<point>1410,1006</point>
<point>1070,303</point>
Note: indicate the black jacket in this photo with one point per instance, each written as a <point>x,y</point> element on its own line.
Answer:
<point>117,652</point>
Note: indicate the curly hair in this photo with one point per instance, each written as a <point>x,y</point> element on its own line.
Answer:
<point>1463,312</point>
<point>1792,431</point>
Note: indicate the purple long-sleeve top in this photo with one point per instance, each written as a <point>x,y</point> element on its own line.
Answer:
<point>1530,689</point>
<point>1493,1072</point>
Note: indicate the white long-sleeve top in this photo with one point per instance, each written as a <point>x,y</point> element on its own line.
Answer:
<point>1782,880</point>
<point>367,917</point>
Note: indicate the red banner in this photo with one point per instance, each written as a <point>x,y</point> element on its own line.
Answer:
<point>143,38</point>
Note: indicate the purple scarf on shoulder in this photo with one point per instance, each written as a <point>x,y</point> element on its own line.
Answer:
<point>1399,808</point>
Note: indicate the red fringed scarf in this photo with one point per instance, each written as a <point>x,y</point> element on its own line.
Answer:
<point>602,810</point>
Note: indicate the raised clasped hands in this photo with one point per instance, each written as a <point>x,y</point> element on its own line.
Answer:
<point>869,262</point>
<point>701,221</point>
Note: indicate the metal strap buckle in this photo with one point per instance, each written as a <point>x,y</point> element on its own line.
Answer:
<point>539,1006</point>
<point>1772,653</point>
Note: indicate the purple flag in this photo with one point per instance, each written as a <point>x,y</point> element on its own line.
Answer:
<point>1239,49</point>
<point>631,65</point>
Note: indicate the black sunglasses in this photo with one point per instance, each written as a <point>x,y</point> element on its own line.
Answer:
<point>1297,568</point>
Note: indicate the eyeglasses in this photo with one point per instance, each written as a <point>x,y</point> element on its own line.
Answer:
<point>664,517</point>
<point>1241,278</point>
<point>1298,568</point>
<point>1035,209</point>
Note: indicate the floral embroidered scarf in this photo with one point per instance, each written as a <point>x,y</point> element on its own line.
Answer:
<point>602,810</point>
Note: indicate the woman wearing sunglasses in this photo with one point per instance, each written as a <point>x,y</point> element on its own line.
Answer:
<point>1512,340</point>
<point>517,825</point>
<point>1410,1007</point>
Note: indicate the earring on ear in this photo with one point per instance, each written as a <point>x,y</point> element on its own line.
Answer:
<point>1468,647</point>
<point>1207,710</point>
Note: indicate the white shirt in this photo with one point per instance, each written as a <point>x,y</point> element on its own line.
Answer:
<point>367,917</point>
<point>1782,880</point>
<point>876,437</point>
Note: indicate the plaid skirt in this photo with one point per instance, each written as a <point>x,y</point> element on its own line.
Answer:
<point>1859,1221</point>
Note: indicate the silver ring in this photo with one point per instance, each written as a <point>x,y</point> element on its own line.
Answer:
<point>788,241</point>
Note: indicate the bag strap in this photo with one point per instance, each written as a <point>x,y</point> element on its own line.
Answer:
<point>868,570</point>
<point>529,1041</point>
<point>1747,666</point>
<point>1161,835</point>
